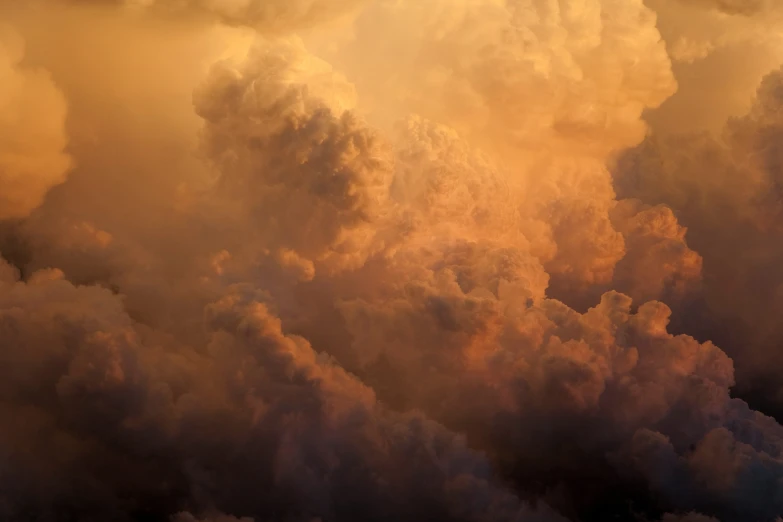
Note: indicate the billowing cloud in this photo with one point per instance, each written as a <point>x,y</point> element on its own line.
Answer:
<point>493,66</point>
<point>308,440</point>
<point>536,84</point>
<point>388,269</point>
<point>726,192</point>
<point>523,380</point>
<point>315,176</point>
<point>32,130</point>
<point>658,264</point>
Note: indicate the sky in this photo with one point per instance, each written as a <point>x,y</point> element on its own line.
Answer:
<point>391,260</point>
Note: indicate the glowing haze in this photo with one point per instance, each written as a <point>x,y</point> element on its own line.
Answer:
<point>391,260</point>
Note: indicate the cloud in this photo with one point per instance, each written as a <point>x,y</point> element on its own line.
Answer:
<point>89,386</point>
<point>725,190</point>
<point>446,182</point>
<point>274,16</point>
<point>384,270</point>
<point>479,57</point>
<point>523,380</point>
<point>535,85</point>
<point>722,472</point>
<point>317,176</point>
<point>705,40</point>
<point>32,131</point>
<point>658,263</point>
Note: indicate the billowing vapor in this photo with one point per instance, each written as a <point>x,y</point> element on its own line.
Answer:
<point>334,261</point>
<point>726,189</point>
<point>705,41</point>
<point>32,130</point>
<point>193,428</point>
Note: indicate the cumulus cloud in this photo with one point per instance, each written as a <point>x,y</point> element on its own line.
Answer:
<point>32,130</point>
<point>725,190</point>
<point>536,85</point>
<point>383,271</point>
<point>658,263</point>
<point>522,380</point>
<point>491,66</point>
<point>315,176</point>
<point>446,182</point>
<point>744,7</point>
<point>308,440</point>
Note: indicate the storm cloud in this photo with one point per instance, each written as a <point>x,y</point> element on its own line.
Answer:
<point>384,260</point>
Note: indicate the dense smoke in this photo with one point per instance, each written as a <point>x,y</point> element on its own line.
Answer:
<point>387,260</point>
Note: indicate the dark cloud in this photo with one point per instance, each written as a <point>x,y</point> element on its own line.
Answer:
<point>314,176</point>
<point>251,422</point>
<point>726,190</point>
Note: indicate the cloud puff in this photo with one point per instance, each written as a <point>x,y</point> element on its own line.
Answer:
<point>548,89</point>
<point>488,69</point>
<point>726,191</point>
<point>446,182</point>
<point>705,39</point>
<point>658,263</point>
<point>523,381</point>
<point>722,473</point>
<point>297,436</point>
<point>32,131</point>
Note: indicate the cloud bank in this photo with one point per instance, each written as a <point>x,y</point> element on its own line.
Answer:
<point>437,260</point>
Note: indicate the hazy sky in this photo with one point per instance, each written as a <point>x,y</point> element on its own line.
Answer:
<point>391,260</point>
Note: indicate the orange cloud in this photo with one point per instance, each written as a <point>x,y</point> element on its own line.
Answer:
<point>433,260</point>
<point>32,131</point>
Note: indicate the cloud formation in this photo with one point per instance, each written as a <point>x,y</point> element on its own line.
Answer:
<point>705,39</point>
<point>130,418</point>
<point>726,191</point>
<point>271,16</point>
<point>313,175</point>
<point>32,131</point>
<point>437,261</point>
